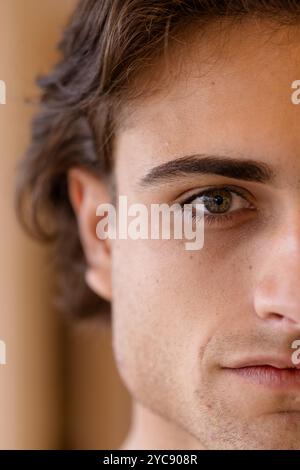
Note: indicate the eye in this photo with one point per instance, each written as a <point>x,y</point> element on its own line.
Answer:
<point>221,204</point>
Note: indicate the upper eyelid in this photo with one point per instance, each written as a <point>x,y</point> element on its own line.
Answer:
<point>235,189</point>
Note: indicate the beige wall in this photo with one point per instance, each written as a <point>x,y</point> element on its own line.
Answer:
<point>59,386</point>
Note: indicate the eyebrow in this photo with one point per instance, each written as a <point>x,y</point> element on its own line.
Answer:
<point>242,169</point>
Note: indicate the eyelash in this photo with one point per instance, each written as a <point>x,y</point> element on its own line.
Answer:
<point>220,219</point>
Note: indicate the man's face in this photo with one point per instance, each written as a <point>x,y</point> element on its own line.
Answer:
<point>187,323</point>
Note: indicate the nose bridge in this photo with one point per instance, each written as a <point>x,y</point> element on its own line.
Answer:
<point>277,294</point>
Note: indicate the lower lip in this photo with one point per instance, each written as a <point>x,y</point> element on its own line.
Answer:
<point>269,376</point>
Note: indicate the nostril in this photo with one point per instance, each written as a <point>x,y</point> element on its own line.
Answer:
<point>276,316</point>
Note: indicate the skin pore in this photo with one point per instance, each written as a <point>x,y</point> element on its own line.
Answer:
<point>181,320</point>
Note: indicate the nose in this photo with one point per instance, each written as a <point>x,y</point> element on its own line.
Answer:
<point>277,293</point>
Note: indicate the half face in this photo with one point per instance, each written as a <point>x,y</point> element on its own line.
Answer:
<point>203,338</point>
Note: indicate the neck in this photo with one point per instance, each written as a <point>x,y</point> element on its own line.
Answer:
<point>151,431</point>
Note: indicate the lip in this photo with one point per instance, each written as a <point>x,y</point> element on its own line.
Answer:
<point>271,372</point>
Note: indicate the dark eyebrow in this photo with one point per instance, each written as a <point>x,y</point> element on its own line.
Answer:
<point>242,169</point>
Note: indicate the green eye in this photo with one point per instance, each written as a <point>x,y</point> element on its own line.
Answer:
<point>222,203</point>
<point>217,201</point>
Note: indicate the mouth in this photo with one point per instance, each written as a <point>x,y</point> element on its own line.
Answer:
<point>270,372</point>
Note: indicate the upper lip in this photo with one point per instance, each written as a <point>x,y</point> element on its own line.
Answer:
<point>272,361</point>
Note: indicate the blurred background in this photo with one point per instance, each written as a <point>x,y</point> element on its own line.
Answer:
<point>59,388</point>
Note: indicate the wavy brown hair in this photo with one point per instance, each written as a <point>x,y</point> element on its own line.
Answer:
<point>106,44</point>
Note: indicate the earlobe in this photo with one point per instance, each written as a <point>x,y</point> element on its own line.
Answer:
<point>86,192</point>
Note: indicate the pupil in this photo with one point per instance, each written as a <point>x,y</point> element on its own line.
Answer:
<point>218,200</point>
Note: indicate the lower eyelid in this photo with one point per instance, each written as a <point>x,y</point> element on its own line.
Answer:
<point>221,220</point>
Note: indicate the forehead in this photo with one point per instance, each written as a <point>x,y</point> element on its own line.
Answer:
<point>226,90</point>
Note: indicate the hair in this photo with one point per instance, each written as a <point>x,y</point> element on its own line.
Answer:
<point>105,45</point>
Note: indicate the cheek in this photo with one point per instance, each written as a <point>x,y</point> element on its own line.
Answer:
<point>152,293</point>
<point>167,303</point>
<point>171,310</point>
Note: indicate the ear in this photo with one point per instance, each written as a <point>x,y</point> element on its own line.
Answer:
<point>86,192</point>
